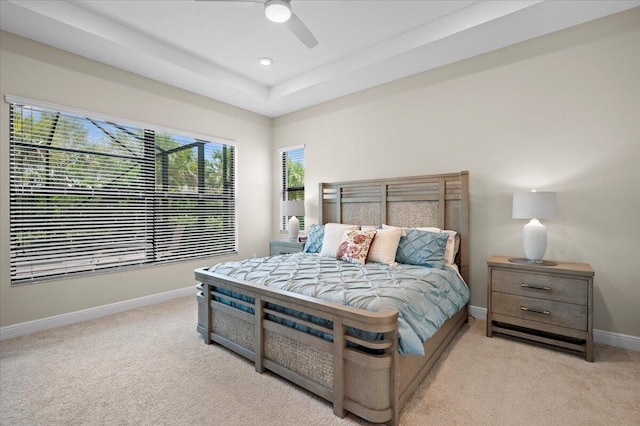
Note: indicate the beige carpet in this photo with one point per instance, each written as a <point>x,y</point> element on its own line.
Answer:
<point>149,367</point>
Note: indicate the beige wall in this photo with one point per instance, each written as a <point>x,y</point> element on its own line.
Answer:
<point>558,113</point>
<point>35,71</point>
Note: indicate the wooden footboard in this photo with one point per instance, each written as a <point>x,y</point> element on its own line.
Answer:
<point>366,377</point>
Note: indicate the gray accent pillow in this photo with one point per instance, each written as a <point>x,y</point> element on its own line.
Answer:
<point>422,248</point>
<point>315,235</point>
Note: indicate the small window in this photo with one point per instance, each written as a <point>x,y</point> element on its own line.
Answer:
<point>292,161</point>
<point>88,194</point>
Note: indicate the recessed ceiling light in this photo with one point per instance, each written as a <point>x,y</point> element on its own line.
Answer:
<point>277,10</point>
<point>265,62</point>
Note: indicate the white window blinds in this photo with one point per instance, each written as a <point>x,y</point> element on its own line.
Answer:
<point>88,194</point>
<point>292,161</point>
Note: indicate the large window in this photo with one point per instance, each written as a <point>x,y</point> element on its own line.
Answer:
<point>90,194</point>
<point>292,161</point>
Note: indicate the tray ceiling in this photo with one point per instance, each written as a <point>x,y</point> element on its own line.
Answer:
<point>212,47</point>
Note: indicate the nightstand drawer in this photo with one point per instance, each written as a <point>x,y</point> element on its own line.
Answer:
<point>284,250</point>
<point>277,247</point>
<point>561,314</point>
<point>541,286</point>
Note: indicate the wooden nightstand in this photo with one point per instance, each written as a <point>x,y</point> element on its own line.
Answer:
<point>277,247</point>
<point>548,304</point>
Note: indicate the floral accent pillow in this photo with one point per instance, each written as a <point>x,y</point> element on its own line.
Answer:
<point>355,245</point>
<point>333,233</point>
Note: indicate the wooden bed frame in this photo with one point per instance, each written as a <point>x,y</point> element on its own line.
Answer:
<point>368,378</point>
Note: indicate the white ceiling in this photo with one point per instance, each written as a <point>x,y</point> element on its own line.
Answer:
<point>212,47</point>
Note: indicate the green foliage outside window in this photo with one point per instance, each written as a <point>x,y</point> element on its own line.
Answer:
<point>89,194</point>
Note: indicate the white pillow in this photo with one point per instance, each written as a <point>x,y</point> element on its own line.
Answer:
<point>453,242</point>
<point>384,246</point>
<point>403,234</point>
<point>333,233</point>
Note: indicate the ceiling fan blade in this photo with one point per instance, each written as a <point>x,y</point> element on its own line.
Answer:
<point>301,31</point>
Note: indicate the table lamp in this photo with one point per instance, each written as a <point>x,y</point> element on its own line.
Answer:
<point>293,208</point>
<point>534,205</point>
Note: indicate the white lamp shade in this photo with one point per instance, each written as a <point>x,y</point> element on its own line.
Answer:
<point>293,208</point>
<point>541,205</point>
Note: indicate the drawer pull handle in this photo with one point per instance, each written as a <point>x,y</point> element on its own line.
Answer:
<point>535,287</point>
<point>524,308</point>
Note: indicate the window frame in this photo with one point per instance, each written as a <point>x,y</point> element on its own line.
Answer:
<point>285,189</point>
<point>229,194</point>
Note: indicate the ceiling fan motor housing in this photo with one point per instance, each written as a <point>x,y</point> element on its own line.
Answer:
<point>277,10</point>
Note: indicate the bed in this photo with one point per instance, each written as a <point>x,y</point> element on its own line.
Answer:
<point>344,354</point>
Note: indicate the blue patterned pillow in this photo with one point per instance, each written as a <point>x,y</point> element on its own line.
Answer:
<point>422,248</point>
<point>314,239</point>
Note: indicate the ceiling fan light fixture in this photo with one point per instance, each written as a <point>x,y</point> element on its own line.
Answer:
<point>277,10</point>
<point>265,62</point>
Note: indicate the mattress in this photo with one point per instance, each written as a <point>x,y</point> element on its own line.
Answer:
<point>424,297</point>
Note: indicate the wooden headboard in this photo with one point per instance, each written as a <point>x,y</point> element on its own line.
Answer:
<point>418,201</point>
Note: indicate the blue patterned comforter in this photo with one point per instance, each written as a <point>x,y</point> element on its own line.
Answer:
<point>424,297</point>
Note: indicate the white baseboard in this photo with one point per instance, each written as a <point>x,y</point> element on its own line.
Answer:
<point>624,341</point>
<point>29,327</point>
<point>478,312</point>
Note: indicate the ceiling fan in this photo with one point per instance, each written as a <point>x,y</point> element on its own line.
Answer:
<point>280,11</point>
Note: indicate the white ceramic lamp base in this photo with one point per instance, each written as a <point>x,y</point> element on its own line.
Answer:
<point>294,228</point>
<point>534,243</point>
<point>534,240</point>
<point>533,205</point>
